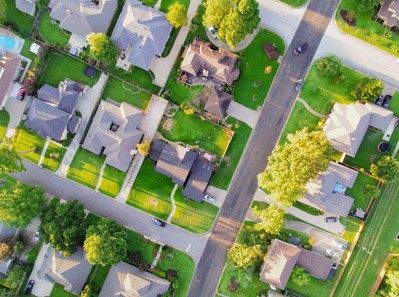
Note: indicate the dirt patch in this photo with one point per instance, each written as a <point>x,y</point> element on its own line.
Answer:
<point>167,124</point>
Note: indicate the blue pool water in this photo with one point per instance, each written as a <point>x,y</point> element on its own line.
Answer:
<point>7,42</point>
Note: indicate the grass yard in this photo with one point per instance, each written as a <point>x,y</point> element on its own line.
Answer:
<point>4,120</point>
<point>60,66</point>
<point>151,192</point>
<point>52,33</point>
<point>122,92</point>
<point>395,104</point>
<point>193,216</point>
<point>294,3</point>
<point>53,157</point>
<point>28,143</point>
<point>136,242</point>
<point>25,51</point>
<point>115,17</point>
<point>221,179</point>
<point>112,181</point>
<point>194,131</point>
<point>97,277</point>
<point>321,92</point>
<point>22,21</point>
<point>184,266</point>
<point>352,227</point>
<point>253,83</point>
<point>59,291</point>
<point>85,168</point>
<point>368,30</point>
<point>379,238</point>
<point>361,200</point>
<point>149,2</point>
<point>308,209</point>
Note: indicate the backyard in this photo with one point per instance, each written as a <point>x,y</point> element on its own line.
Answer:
<point>395,104</point>
<point>28,144</point>
<point>59,291</point>
<point>22,21</point>
<point>53,156</point>
<point>361,199</point>
<point>4,119</point>
<point>50,32</point>
<point>111,181</point>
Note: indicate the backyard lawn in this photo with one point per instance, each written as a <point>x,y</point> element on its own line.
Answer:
<point>25,51</point>
<point>122,92</point>
<point>253,83</point>
<point>53,157</point>
<point>193,216</point>
<point>85,168</point>
<point>194,131</point>
<point>97,277</point>
<point>59,291</point>
<point>151,192</point>
<point>28,143</point>
<point>50,32</point>
<point>361,199</point>
<point>22,21</point>
<point>4,119</point>
<point>137,243</point>
<point>111,181</point>
<point>62,66</point>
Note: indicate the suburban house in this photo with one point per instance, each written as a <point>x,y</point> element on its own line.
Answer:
<point>27,6</point>
<point>184,166</point>
<point>348,123</point>
<point>82,17</point>
<point>201,61</point>
<point>70,272</point>
<point>389,13</point>
<point>127,280</point>
<point>113,132</point>
<point>327,191</point>
<point>281,259</point>
<point>141,32</point>
<point>52,114</point>
<point>9,65</point>
<point>218,102</point>
<point>6,233</point>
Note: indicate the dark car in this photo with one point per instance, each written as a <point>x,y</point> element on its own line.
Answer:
<point>379,100</point>
<point>299,85</point>
<point>158,222</point>
<point>300,48</point>
<point>331,219</point>
<point>29,287</point>
<point>21,94</point>
<point>387,101</point>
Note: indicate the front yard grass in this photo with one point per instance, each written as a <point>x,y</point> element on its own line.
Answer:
<point>60,66</point>
<point>53,157</point>
<point>97,277</point>
<point>361,199</point>
<point>28,144</point>
<point>122,92</point>
<point>50,32</point>
<point>194,131</point>
<point>137,243</point>
<point>193,216</point>
<point>85,168</point>
<point>4,120</point>
<point>59,291</point>
<point>253,83</point>
<point>112,181</point>
<point>22,21</point>
<point>352,227</point>
<point>151,192</point>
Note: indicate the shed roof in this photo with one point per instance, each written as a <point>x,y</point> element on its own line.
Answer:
<point>218,102</point>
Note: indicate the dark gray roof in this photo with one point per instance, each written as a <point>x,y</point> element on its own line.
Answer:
<point>27,6</point>
<point>315,264</point>
<point>156,150</point>
<point>9,64</point>
<point>49,94</point>
<point>73,124</point>
<point>218,102</point>
<point>389,12</point>
<point>201,173</point>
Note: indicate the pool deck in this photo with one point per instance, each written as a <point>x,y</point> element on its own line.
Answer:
<point>19,42</point>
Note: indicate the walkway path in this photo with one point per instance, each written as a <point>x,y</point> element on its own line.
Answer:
<point>172,200</point>
<point>308,108</point>
<point>242,113</point>
<point>48,140</point>
<point>100,177</point>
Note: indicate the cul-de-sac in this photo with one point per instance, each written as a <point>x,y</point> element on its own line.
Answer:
<point>199,148</point>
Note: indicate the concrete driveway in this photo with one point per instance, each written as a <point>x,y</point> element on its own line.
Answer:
<point>42,287</point>
<point>15,109</point>
<point>242,113</point>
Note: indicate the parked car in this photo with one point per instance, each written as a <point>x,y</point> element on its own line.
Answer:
<point>332,253</point>
<point>339,245</point>
<point>37,235</point>
<point>209,198</point>
<point>387,101</point>
<point>158,222</point>
<point>301,48</point>
<point>21,94</point>
<point>29,287</point>
<point>299,85</point>
<point>213,32</point>
<point>331,219</point>
<point>379,100</point>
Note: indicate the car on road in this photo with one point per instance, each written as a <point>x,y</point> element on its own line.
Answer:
<point>331,219</point>
<point>209,198</point>
<point>379,100</point>
<point>298,50</point>
<point>387,101</point>
<point>158,222</point>
<point>339,245</point>
<point>29,287</point>
<point>21,94</point>
<point>299,85</point>
<point>332,253</point>
<point>213,32</point>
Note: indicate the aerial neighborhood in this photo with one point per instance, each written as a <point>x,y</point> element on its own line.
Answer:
<point>199,148</point>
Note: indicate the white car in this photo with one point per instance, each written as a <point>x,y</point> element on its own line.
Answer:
<point>339,245</point>
<point>213,32</point>
<point>332,253</point>
<point>209,198</point>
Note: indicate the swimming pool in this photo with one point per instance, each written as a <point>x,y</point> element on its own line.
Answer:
<point>7,42</point>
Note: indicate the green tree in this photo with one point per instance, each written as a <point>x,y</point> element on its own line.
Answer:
<point>302,158</point>
<point>10,161</point>
<point>20,204</point>
<point>63,225</point>
<point>330,66</point>
<point>144,148</point>
<point>371,191</point>
<point>300,277</point>
<point>6,293</point>
<point>215,10</point>
<point>101,47</point>
<point>271,219</point>
<point>177,15</point>
<point>3,11</point>
<point>367,5</point>
<point>386,168</point>
<point>10,247</point>
<point>15,277</point>
<point>105,243</point>
<point>86,292</point>
<point>242,256</point>
<point>367,89</point>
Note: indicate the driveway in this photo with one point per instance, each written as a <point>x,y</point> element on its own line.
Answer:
<point>42,287</point>
<point>242,113</point>
<point>15,109</point>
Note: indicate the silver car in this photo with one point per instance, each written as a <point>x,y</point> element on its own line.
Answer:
<point>299,85</point>
<point>213,32</point>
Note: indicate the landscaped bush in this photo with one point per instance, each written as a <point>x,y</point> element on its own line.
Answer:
<point>160,273</point>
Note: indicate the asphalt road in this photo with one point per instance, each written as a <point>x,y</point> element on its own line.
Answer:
<point>271,122</point>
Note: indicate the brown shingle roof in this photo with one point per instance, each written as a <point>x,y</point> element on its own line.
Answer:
<point>218,102</point>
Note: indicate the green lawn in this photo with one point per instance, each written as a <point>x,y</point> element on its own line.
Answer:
<point>368,30</point>
<point>58,291</point>
<point>294,3</point>
<point>352,226</point>
<point>321,92</point>
<point>308,209</point>
<point>193,216</point>
<point>28,143</point>
<point>253,83</point>
<point>151,192</point>
<point>22,21</point>
<point>85,168</point>
<point>192,130</point>
<point>221,179</point>
<point>361,200</point>
<point>62,66</point>
<point>184,266</point>
<point>122,92</point>
<point>52,33</point>
<point>395,104</point>
<point>97,277</point>
<point>115,17</point>
<point>149,2</point>
<point>26,49</point>
<point>112,181</point>
<point>53,157</point>
<point>4,120</point>
<point>136,242</point>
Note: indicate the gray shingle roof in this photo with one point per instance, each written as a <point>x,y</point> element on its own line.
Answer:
<point>27,6</point>
<point>9,64</point>
<point>156,150</point>
<point>142,32</point>
<point>315,264</point>
<point>218,102</point>
<point>389,12</point>
<point>201,173</point>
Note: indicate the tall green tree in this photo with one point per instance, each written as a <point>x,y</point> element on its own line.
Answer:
<point>368,89</point>
<point>19,204</point>
<point>10,160</point>
<point>386,168</point>
<point>10,247</point>
<point>243,256</point>
<point>215,12</point>
<point>63,225</point>
<point>329,66</point>
<point>271,219</point>
<point>101,47</point>
<point>3,11</point>
<point>366,5</point>
<point>299,276</point>
<point>14,277</point>
<point>105,243</point>
<point>177,15</point>
<point>302,158</point>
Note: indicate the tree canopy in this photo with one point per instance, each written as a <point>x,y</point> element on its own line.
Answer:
<point>271,219</point>
<point>177,15</point>
<point>10,161</point>
<point>63,225</point>
<point>101,47</point>
<point>330,66</point>
<point>303,157</point>
<point>368,89</point>
<point>366,5</point>
<point>299,276</point>
<point>243,256</point>
<point>233,19</point>
<point>144,148</point>
<point>10,247</point>
<point>386,168</point>
<point>105,243</point>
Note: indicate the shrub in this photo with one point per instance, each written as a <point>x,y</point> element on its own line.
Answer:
<point>233,285</point>
<point>160,273</point>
